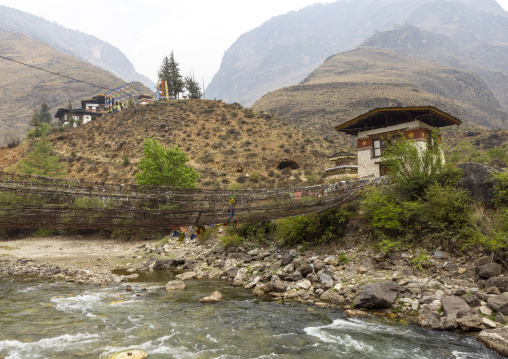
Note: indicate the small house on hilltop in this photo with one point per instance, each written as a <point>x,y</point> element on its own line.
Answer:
<point>76,115</point>
<point>376,128</point>
<point>95,104</point>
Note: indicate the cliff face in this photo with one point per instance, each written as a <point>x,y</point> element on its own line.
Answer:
<point>283,50</point>
<point>351,83</point>
<point>85,47</point>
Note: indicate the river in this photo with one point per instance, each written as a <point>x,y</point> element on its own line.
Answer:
<point>45,319</point>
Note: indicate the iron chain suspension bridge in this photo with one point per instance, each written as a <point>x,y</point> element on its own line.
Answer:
<point>35,202</point>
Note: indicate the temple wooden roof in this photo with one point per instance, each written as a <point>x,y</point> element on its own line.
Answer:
<point>390,116</point>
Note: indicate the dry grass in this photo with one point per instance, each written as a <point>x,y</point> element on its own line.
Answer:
<point>226,145</point>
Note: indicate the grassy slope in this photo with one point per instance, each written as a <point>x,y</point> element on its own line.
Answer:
<point>224,142</point>
<point>24,88</point>
<point>355,82</point>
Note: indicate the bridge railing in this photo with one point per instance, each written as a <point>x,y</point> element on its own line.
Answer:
<point>40,202</point>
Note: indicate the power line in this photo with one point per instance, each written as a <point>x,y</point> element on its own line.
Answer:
<point>54,73</point>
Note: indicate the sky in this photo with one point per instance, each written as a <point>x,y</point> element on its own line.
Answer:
<point>198,31</point>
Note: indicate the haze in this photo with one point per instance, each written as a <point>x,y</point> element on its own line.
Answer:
<point>199,32</point>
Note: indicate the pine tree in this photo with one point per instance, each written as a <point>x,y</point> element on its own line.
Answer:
<point>44,114</point>
<point>193,87</point>
<point>170,72</point>
<point>35,122</point>
<point>41,161</point>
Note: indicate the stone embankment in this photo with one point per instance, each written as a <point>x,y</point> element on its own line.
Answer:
<point>439,291</point>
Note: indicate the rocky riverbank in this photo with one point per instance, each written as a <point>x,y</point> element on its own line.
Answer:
<point>438,290</point>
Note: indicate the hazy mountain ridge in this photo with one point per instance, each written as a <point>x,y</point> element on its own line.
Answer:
<point>428,46</point>
<point>284,49</point>
<point>71,42</point>
<point>354,82</point>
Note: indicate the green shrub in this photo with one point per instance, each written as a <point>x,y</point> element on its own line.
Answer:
<point>500,198</point>
<point>258,232</point>
<point>313,229</point>
<point>125,161</point>
<point>382,209</point>
<point>293,230</point>
<point>420,260</point>
<point>231,240</point>
<point>449,205</point>
<point>45,232</point>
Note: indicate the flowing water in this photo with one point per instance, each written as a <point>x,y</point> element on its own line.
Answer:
<point>43,319</point>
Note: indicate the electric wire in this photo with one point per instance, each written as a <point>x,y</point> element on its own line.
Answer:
<point>55,73</point>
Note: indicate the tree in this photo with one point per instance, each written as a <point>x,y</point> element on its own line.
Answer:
<point>414,169</point>
<point>165,166</point>
<point>42,161</point>
<point>170,72</point>
<point>193,87</point>
<point>44,114</point>
<point>35,121</point>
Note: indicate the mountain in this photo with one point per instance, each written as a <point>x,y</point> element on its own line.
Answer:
<point>286,48</point>
<point>428,46</point>
<point>85,47</point>
<point>225,143</point>
<point>354,82</point>
<point>24,88</point>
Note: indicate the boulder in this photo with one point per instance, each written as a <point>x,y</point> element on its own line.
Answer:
<point>240,277</point>
<point>306,270</point>
<point>499,303</point>
<point>476,179</point>
<point>490,270</point>
<point>325,278</point>
<point>266,287</point>
<point>492,290</point>
<point>279,286</point>
<point>287,258</point>
<point>429,319</point>
<point>303,284</point>
<point>499,282</point>
<point>351,313</point>
<point>485,310</point>
<point>175,285</point>
<point>469,320</point>
<point>500,318</point>
<point>472,300</point>
<point>377,296</point>
<point>164,264</point>
<point>483,260</point>
<point>299,262</point>
<point>131,354</point>
<point>253,283</point>
<point>212,298</point>
<point>452,305</point>
<point>487,323</point>
<point>313,278</point>
<point>449,323</point>
<point>495,339</point>
<point>186,276</point>
<point>332,260</point>
<point>296,276</point>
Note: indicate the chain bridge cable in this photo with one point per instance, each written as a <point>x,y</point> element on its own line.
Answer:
<point>55,73</point>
